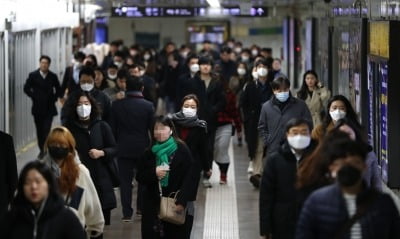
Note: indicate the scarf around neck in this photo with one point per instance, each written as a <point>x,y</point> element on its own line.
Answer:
<point>163,151</point>
<point>188,122</point>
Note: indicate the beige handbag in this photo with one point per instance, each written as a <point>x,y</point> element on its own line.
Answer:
<point>167,209</point>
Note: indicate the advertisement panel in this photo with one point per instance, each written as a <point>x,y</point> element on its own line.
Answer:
<point>383,72</point>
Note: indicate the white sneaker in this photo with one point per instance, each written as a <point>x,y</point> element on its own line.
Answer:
<point>250,168</point>
<point>206,183</point>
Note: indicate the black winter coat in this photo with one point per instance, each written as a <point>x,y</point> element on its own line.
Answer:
<point>179,179</point>
<point>278,204</point>
<point>212,100</point>
<point>43,92</point>
<point>254,95</point>
<point>97,136</point>
<point>131,120</point>
<point>324,213</point>
<point>55,222</point>
<point>8,172</point>
<point>196,140</point>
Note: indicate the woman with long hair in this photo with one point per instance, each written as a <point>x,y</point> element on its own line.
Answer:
<point>74,180</point>
<point>96,147</point>
<point>320,168</point>
<point>193,131</point>
<point>371,176</point>
<point>338,107</point>
<point>38,210</point>
<point>314,94</point>
<point>166,167</point>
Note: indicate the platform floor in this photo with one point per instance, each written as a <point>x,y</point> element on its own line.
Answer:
<point>223,211</point>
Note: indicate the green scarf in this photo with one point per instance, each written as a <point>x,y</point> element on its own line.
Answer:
<point>163,151</point>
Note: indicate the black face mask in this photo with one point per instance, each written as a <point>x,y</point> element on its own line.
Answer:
<point>348,175</point>
<point>58,152</point>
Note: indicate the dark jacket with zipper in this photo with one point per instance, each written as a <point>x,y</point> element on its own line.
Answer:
<point>324,214</point>
<point>278,204</point>
<point>273,117</point>
<point>55,221</point>
<point>97,135</point>
<point>179,179</point>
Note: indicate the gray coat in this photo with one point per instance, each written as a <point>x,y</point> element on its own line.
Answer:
<point>272,121</point>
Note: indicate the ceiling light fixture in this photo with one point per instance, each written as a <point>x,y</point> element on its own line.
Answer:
<point>214,3</point>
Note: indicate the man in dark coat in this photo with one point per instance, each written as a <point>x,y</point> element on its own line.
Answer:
<point>185,82</point>
<point>131,119</point>
<point>277,190</point>
<point>86,81</point>
<point>71,76</point>
<point>8,172</point>
<point>255,94</point>
<point>43,87</point>
<point>210,91</point>
<point>348,208</point>
<point>273,117</point>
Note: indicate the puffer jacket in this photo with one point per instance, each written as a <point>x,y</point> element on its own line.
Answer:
<point>324,213</point>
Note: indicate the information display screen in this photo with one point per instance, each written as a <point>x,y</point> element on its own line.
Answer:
<point>135,11</point>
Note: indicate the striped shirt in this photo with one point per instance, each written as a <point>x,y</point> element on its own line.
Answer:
<point>355,231</point>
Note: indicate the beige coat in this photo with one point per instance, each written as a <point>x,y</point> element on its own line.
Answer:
<point>317,103</point>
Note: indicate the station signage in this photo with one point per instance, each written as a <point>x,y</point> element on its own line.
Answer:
<point>138,12</point>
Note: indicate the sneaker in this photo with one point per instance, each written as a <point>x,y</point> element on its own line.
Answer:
<point>138,213</point>
<point>255,180</point>
<point>206,183</point>
<point>250,168</point>
<point>127,219</point>
<point>222,179</point>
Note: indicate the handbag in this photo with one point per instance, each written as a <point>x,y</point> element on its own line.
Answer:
<point>168,209</point>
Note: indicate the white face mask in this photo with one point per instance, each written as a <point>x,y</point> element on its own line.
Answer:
<point>142,72</point>
<point>146,57</point>
<point>245,58</point>
<point>337,114</point>
<point>254,52</point>
<point>189,112</point>
<point>255,75</point>
<point>87,87</point>
<point>238,50</point>
<point>118,64</point>
<point>241,71</point>
<point>112,76</point>
<point>262,72</point>
<point>83,111</point>
<point>299,141</point>
<point>194,68</point>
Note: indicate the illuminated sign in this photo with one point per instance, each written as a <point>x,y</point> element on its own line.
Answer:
<point>379,38</point>
<point>136,12</point>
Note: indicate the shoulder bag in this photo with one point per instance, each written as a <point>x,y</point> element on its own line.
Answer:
<point>168,209</point>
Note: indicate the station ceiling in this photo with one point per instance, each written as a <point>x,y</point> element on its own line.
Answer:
<point>109,3</point>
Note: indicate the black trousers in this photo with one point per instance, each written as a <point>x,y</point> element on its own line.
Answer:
<point>43,126</point>
<point>127,167</point>
<point>251,136</point>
